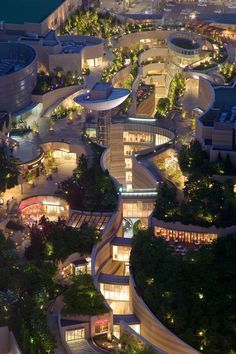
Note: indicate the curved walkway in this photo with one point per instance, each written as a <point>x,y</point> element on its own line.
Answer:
<point>81,346</point>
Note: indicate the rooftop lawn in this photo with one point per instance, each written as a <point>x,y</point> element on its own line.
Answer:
<point>33,11</point>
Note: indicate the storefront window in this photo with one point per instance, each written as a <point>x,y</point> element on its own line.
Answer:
<point>101,327</point>
<point>75,334</point>
<point>184,236</point>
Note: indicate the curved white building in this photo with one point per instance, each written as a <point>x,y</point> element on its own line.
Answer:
<point>102,98</point>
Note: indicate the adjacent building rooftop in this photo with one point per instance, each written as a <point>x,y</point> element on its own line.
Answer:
<point>32,11</point>
<point>227,19</point>
<point>224,108</point>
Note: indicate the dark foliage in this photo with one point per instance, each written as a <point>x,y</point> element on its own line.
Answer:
<point>90,188</point>
<point>195,295</point>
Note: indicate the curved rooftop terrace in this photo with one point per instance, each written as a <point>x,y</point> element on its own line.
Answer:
<point>104,101</point>
<point>185,42</point>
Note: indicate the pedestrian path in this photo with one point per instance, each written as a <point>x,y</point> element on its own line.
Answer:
<point>81,347</point>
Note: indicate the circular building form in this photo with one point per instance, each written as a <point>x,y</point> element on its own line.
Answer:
<point>102,97</point>
<point>185,47</point>
<point>18,75</point>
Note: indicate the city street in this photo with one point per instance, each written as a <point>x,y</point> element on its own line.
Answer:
<point>176,12</point>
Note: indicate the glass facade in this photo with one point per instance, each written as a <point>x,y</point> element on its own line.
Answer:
<point>121,253</point>
<point>75,334</point>
<point>139,137</point>
<point>101,326</point>
<point>137,209</point>
<point>147,138</point>
<point>128,149</point>
<point>115,292</point>
<point>185,236</point>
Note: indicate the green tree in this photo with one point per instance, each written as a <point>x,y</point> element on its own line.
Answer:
<point>82,298</point>
<point>8,170</point>
<point>193,295</point>
<point>166,202</point>
<point>163,107</point>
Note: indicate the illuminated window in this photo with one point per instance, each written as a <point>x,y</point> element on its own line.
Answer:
<point>115,292</point>
<point>129,187</point>
<point>94,62</point>
<point>58,154</point>
<point>185,236</point>
<point>116,331</point>
<point>75,334</point>
<point>137,210</point>
<point>135,327</point>
<point>101,327</point>
<point>128,176</point>
<point>121,253</point>
<point>128,163</point>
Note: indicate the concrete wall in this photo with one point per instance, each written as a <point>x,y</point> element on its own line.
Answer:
<point>117,161</point>
<point>153,330</point>
<point>4,340</point>
<point>8,343</point>
<point>142,178</point>
<point>102,252</point>
<point>93,48</point>
<point>68,61</point>
<point>124,328</point>
<point>206,101</point>
<point>93,51</point>
<point>206,94</point>
<point>132,40</point>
